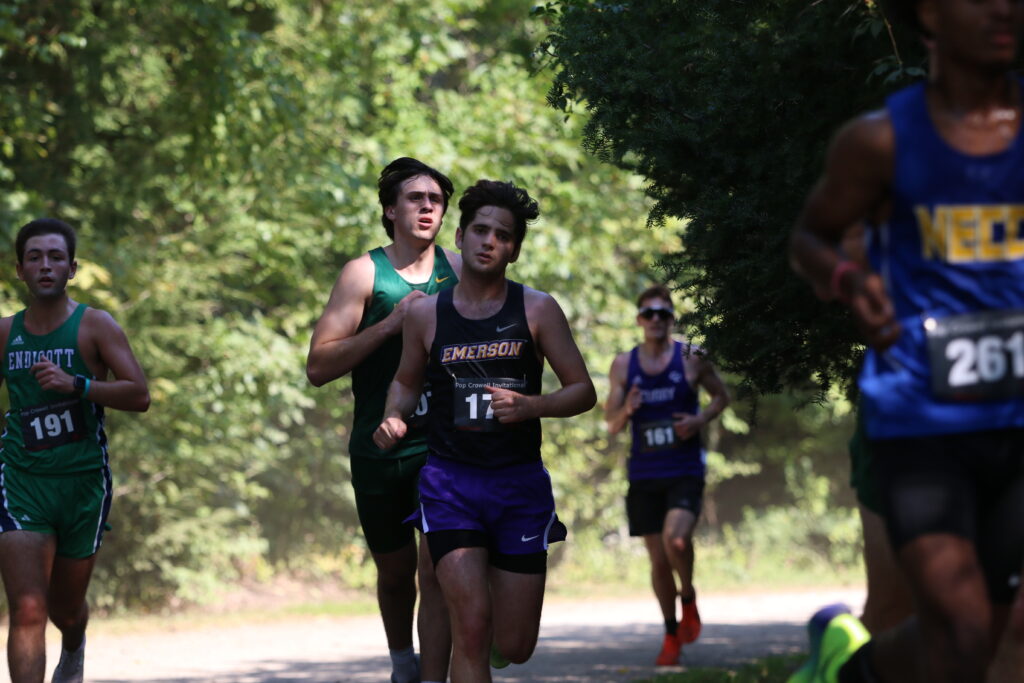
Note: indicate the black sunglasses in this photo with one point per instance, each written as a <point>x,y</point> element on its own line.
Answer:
<point>664,313</point>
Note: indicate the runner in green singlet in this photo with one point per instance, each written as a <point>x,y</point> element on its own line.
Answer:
<point>56,488</point>
<point>360,332</point>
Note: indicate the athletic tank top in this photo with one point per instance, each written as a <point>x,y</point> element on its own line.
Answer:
<point>468,355</point>
<point>656,452</point>
<point>952,257</point>
<point>371,378</point>
<point>47,432</point>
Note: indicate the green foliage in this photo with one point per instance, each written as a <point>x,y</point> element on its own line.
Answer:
<point>768,670</point>
<point>220,162</point>
<point>724,108</point>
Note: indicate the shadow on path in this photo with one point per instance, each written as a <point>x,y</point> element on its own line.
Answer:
<point>596,654</point>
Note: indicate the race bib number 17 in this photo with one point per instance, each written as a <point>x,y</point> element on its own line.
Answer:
<point>472,409</point>
<point>977,356</point>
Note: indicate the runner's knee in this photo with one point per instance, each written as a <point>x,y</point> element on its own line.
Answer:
<point>396,577</point>
<point>679,544</point>
<point>961,635</point>
<point>65,619</point>
<point>28,610</point>
<point>471,628</point>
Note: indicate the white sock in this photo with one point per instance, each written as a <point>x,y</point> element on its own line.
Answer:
<point>404,665</point>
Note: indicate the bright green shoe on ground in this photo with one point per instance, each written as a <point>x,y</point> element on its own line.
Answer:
<point>827,651</point>
<point>843,636</point>
<point>498,660</point>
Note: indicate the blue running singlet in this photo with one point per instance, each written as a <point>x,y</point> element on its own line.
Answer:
<point>657,452</point>
<point>952,257</point>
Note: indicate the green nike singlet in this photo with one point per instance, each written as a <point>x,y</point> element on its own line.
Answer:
<point>371,378</point>
<point>49,432</point>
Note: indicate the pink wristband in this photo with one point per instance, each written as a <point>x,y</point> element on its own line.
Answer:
<point>841,269</point>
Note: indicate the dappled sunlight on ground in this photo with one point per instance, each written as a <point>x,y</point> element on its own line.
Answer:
<point>598,641</point>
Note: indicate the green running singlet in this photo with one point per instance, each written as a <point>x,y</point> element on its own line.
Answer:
<point>371,378</point>
<point>49,432</point>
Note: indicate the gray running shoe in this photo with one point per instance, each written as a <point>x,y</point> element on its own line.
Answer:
<point>71,666</point>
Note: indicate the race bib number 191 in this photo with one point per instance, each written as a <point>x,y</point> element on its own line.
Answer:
<point>52,424</point>
<point>977,356</point>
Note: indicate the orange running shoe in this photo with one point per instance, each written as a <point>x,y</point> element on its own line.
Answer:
<point>689,627</point>
<point>670,649</point>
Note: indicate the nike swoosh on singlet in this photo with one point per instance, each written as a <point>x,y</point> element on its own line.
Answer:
<point>502,328</point>
<point>439,280</point>
<point>525,539</point>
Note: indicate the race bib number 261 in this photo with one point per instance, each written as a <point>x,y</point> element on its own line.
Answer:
<point>977,356</point>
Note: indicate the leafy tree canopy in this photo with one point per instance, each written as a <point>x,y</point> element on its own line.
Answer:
<point>725,108</point>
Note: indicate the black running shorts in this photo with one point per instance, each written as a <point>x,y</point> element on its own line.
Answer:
<point>649,500</point>
<point>968,485</point>
<point>385,491</point>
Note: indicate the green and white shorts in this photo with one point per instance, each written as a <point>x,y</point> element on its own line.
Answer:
<point>72,506</point>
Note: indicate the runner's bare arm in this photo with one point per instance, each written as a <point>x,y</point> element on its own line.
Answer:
<point>554,339</point>
<point>709,379</point>
<point>407,384</point>
<point>106,348</point>
<point>128,390</point>
<point>854,184</point>
<point>853,188</point>
<point>338,345</point>
<point>621,402</point>
<point>703,374</point>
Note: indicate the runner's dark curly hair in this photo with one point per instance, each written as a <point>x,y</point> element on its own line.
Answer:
<point>396,173</point>
<point>504,195</point>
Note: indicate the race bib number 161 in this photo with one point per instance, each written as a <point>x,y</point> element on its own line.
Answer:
<point>977,356</point>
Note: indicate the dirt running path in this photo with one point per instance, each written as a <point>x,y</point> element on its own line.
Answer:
<point>596,641</point>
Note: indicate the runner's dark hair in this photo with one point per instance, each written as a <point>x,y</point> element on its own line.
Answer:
<point>45,226</point>
<point>397,172</point>
<point>654,292</point>
<point>501,194</point>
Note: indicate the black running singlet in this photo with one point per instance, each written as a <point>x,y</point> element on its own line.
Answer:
<point>468,355</point>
